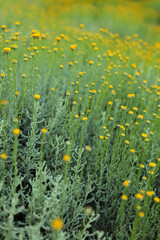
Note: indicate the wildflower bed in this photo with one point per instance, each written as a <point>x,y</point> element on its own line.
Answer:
<point>79,135</point>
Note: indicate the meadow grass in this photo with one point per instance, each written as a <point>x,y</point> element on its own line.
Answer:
<point>79,126</point>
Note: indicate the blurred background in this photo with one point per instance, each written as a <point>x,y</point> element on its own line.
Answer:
<point>118,16</point>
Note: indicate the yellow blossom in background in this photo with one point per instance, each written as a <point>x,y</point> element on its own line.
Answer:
<point>57,224</point>
<point>141,214</point>
<point>44,130</point>
<point>124,197</point>
<point>157,199</point>
<point>126,183</point>
<point>84,118</point>
<point>139,196</point>
<point>37,96</point>
<point>151,164</point>
<point>3,156</point>
<point>16,131</point>
<point>66,158</point>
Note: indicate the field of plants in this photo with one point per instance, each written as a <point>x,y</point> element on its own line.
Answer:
<point>80,120</point>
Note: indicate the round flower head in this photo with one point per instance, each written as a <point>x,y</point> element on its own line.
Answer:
<point>3,27</point>
<point>126,183</point>
<point>16,131</point>
<point>151,164</point>
<point>141,214</point>
<point>17,23</point>
<point>70,64</point>
<point>3,156</point>
<point>132,151</point>
<point>44,130</point>
<point>84,118</point>
<point>66,158</point>
<point>57,224</point>
<point>81,25</point>
<point>72,47</point>
<point>3,102</point>
<point>157,199</point>
<point>6,50</point>
<point>124,197</point>
<point>139,196</point>
<point>37,96</point>
<point>91,62</point>
<point>2,75</point>
<point>144,135</point>
<point>14,61</point>
<point>17,93</point>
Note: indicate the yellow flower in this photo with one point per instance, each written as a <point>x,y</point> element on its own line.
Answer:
<point>132,151</point>
<point>84,118</point>
<point>3,27</point>
<point>135,108</point>
<point>140,116</point>
<point>66,158</point>
<point>57,224</point>
<point>3,102</point>
<point>126,141</point>
<point>126,183</point>
<point>55,50</point>
<point>150,193</point>
<point>91,62</point>
<point>37,96</point>
<point>138,207</point>
<point>17,23</point>
<point>151,164</point>
<point>2,75</point>
<point>70,64</point>
<point>144,135</point>
<point>123,107</point>
<point>3,156</point>
<point>35,48</point>
<point>44,130</point>
<point>81,25</point>
<point>6,50</point>
<point>58,39</point>
<point>17,93</point>
<point>76,116</point>
<point>139,196</point>
<point>16,131</point>
<point>124,197</point>
<point>157,199</point>
<point>141,214</point>
<point>101,137</point>
<point>110,103</point>
<point>14,47</point>
<point>72,47</point>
